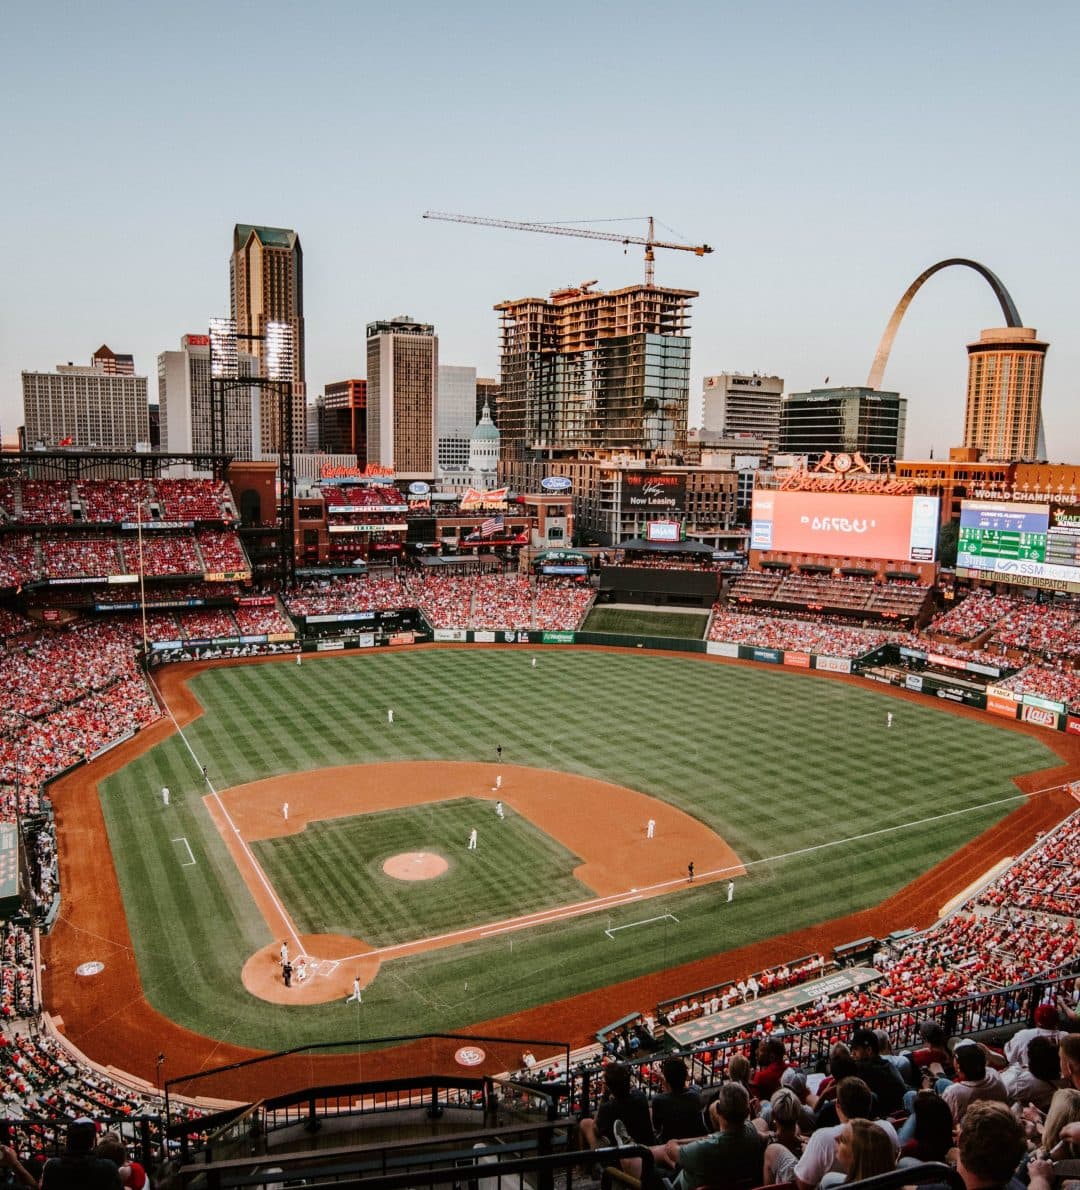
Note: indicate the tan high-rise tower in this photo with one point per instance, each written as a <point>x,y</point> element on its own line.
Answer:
<point>402,396</point>
<point>266,284</point>
<point>1003,417</point>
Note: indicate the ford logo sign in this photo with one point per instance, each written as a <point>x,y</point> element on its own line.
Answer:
<point>556,483</point>
<point>419,488</point>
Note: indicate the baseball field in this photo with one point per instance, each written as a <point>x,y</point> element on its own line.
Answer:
<point>789,785</point>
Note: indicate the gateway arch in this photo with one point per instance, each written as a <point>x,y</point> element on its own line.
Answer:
<point>1008,309</point>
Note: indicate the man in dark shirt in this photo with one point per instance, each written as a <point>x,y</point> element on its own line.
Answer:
<point>620,1103</point>
<point>879,1075</point>
<point>78,1168</point>
<point>676,1111</point>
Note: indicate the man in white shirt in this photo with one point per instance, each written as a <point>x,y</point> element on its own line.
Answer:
<point>976,1082</point>
<point>1046,1025</point>
<point>854,1100</point>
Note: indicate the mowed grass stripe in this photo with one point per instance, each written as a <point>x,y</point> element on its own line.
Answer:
<point>332,880</point>
<point>773,761</point>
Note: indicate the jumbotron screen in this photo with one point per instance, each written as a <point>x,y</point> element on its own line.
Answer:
<point>1033,544</point>
<point>846,524</point>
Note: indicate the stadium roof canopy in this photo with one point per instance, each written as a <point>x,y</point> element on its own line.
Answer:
<point>640,545</point>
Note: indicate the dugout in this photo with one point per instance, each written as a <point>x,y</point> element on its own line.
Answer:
<point>668,573</point>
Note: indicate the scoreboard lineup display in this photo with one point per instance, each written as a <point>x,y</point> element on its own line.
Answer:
<point>1009,538</point>
<point>1003,530</point>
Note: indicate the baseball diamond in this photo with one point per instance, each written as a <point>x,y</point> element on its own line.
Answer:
<point>591,753</point>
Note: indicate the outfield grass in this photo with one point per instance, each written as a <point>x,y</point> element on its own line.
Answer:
<point>331,868</point>
<point>631,622</point>
<point>774,761</point>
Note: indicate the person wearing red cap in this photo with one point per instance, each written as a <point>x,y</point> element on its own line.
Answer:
<point>1046,1025</point>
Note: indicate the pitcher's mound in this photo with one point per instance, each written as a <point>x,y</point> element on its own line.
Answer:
<point>415,865</point>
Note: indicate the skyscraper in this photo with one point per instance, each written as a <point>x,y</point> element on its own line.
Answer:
<point>402,394</point>
<point>94,406</point>
<point>266,284</point>
<point>457,414</point>
<point>737,405</point>
<point>593,370</point>
<point>843,421</point>
<point>341,415</point>
<point>1003,417</point>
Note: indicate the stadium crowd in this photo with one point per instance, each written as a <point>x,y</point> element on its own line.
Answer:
<point>783,632</point>
<point>114,501</point>
<point>1058,683</point>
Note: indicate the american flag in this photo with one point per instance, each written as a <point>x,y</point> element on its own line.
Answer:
<point>492,525</point>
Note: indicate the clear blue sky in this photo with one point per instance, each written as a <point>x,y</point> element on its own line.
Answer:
<point>828,150</point>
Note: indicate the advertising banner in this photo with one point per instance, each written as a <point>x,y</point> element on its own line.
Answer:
<point>913,682</point>
<point>1033,700</point>
<point>147,525</point>
<point>484,637</point>
<point>772,656</point>
<point>996,705</point>
<point>493,501</point>
<point>1039,716</point>
<point>800,660</point>
<point>447,634</point>
<point>835,665</point>
<point>722,648</point>
<point>649,491</point>
<point>663,531</point>
<point>555,638</point>
<point>337,617</point>
<point>1072,725</point>
<point>372,528</point>
<point>367,508</point>
<point>329,646</point>
<point>401,638</point>
<point>366,640</point>
<point>946,662</point>
<point>845,524</point>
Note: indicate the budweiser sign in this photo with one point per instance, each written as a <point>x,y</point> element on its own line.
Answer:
<point>816,481</point>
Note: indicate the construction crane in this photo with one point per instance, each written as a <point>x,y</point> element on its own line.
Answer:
<point>553,229</point>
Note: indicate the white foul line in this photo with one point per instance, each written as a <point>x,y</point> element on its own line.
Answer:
<point>241,842</point>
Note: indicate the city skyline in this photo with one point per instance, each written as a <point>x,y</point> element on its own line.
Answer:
<point>859,152</point>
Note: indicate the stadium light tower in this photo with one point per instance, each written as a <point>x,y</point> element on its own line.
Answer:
<point>225,378</point>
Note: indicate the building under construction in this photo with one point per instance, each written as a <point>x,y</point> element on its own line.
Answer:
<point>586,371</point>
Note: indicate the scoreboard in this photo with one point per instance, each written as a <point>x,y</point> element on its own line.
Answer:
<point>1003,530</point>
<point>1030,544</point>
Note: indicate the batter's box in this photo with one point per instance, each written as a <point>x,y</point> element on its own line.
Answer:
<point>323,967</point>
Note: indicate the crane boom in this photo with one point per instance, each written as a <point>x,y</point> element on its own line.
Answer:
<point>586,233</point>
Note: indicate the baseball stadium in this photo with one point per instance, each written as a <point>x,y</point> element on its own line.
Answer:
<point>368,875</point>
